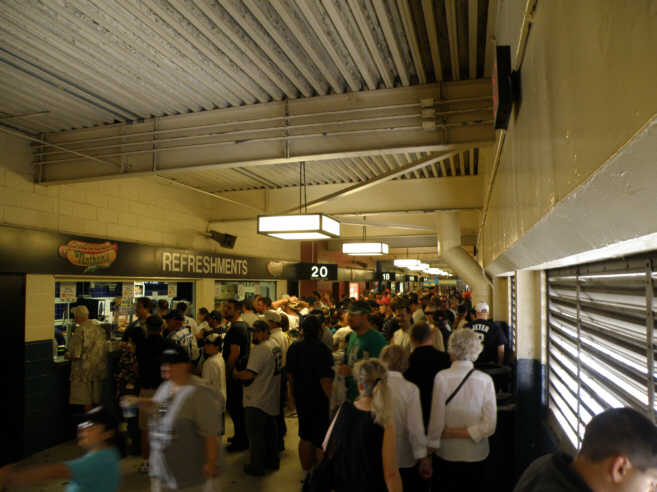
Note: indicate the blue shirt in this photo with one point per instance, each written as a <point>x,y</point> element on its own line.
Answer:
<point>99,471</point>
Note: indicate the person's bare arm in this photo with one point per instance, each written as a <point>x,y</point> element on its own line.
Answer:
<point>11,476</point>
<point>327,386</point>
<point>500,354</point>
<point>210,467</point>
<point>279,303</point>
<point>233,356</point>
<point>389,455</point>
<point>245,375</point>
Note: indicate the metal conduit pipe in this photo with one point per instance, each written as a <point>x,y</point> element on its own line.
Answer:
<point>463,265</point>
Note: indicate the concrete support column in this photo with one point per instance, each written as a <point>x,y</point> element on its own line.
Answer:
<point>205,293</point>
<point>529,303</point>
<point>501,299</point>
<point>464,265</point>
<point>39,307</point>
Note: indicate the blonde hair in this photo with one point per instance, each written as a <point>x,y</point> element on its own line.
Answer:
<point>395,358</point>
<point>372,376</point>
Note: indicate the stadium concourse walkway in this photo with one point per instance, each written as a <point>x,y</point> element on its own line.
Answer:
<point>288,478</point>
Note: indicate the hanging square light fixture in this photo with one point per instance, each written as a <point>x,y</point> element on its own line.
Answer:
<point>300,227</point>
<point>365,249</point>
<point>406,262</point>
<point>419,267</point>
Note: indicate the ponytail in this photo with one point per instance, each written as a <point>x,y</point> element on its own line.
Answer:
<point>373,377</point>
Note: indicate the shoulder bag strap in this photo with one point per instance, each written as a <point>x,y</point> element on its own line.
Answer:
<point>458,388</point>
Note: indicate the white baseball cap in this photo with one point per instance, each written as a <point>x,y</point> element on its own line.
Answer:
<point>482,307</point>
<point>272,316</point>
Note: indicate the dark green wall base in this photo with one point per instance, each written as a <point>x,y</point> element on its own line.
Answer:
<point>532,436</point>
<point>47,418</point>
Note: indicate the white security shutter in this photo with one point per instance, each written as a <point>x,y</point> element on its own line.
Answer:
<point>513,315</point>
<point>600,352</point>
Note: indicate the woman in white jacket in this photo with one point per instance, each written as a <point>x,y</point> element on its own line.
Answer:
<point>463,416</point>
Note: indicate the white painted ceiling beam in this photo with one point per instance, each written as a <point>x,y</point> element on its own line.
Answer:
<point>243,17</point>
<point>473,9</point>
<point>40,49</point>
<point>252,76</point>
<point>452,27</point>
<point>432,33</point>
<point>267,17</point>
<point>305,41</point>
<point>243,41</point>
<point>490,37</point>
<point>411,38</point>
<point>199,50</point>
<point>106,45</point>
<point>385,21</point>
<point>317,17</point>
<point>339,13</point>
<point>364,22</point>
<point>335,139</point>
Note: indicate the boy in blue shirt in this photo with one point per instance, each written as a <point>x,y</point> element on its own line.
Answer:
<point>98,470</point>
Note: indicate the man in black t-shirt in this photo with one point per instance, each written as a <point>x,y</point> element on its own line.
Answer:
<point>491,336</point>
<point>235,353</point>
<point>423,365</point>
<point>310,380</point>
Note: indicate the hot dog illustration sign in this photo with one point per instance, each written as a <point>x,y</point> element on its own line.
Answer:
<point>91,256</point>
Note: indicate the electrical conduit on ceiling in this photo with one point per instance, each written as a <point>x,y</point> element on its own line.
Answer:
<point>464,266</point>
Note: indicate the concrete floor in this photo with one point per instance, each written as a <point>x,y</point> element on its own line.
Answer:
<point>288,478</point>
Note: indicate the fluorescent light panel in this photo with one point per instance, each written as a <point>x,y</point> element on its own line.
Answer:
<point>405,262</point>
<point>365,249</point>
<point>299,227</point>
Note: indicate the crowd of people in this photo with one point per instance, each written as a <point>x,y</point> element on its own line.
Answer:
<point>391,392</point>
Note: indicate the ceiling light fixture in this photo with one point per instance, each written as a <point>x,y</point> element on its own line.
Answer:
<point>365,248</point>
<point>300,227</point>
<point>405,262</point>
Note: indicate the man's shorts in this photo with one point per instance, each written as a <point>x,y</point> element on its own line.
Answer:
<point>313,425</point>
<point>85,392</point>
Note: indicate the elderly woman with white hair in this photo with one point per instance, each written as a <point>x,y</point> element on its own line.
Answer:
<point>463,416</point>
<point>88,355</point>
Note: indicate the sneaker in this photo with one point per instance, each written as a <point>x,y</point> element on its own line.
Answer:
<point>249,470</point>
<point>143,468</point>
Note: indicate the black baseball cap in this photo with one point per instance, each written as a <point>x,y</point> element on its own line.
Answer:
<point>360,307</point>
<point>177,315</point>
<point>99,415</point>
<point>174,354</point>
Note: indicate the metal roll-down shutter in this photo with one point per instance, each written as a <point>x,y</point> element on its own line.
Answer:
<point>601,340</point>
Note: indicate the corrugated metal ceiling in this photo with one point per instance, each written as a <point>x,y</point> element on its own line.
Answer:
<point>92,62</point>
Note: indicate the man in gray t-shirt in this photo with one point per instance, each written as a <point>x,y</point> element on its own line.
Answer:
<point>262,380</point>
<point>183,428</point>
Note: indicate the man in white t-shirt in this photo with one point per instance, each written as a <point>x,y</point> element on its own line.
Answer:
<point>262,392</point>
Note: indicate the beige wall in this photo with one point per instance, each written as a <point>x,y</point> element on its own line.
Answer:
<point>587,87</point>
<point>39,307</point>
<point>140,210</point>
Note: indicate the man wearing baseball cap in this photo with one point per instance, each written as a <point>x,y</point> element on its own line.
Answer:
<point>491,336</point>
<point>363,343</point>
